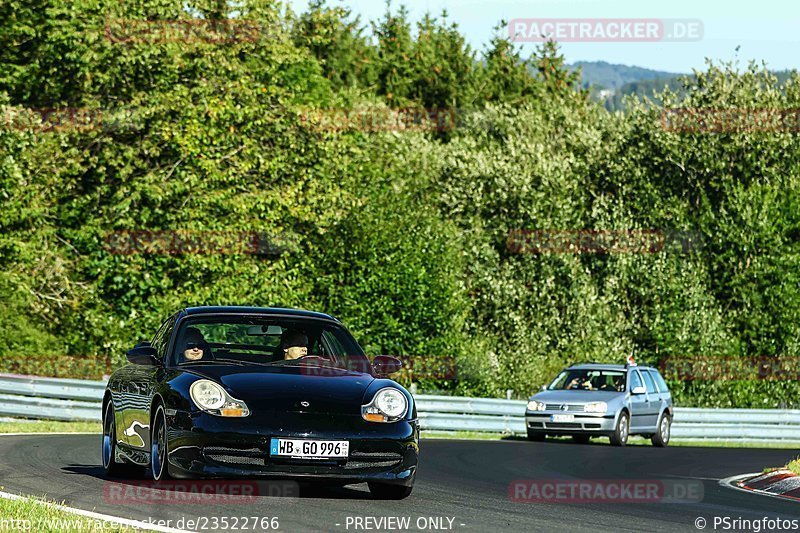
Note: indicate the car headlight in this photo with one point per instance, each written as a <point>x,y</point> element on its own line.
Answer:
<point>388,405</point>
<point>213,399</point>
<point>533,405</point>
<point>595,407</point>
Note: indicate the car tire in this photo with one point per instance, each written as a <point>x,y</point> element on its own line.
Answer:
<point>159,447</point>
<point>581,439</point>
<point>536,436</point>
<point>384,491</point>
<point>661,437</point>
<point>108,449</point>
<point>622,431</point>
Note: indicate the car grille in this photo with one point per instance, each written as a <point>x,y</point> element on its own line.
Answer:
<point>359,460</point>
<point>235,456</point>
<point>563,425</point>
<point>571,407</point>
<point>257,457</point>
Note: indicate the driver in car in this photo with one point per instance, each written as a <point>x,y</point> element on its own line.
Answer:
<point>580,383</point>
<point>295,345</point>
<point>195,346</point>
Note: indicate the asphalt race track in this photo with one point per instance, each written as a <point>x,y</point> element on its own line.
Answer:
<point>463,482</point>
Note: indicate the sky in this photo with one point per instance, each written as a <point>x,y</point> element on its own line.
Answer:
<point>766,30</point>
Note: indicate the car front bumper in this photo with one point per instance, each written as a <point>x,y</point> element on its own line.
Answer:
<point>207,446</point>
<point>582,423</point>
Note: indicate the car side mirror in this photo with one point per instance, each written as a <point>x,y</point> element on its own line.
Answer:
<point>386,365</point>
<point>638,390</point>
<point>142,343</point>
<point>543,388</point>
<point>143,355</point>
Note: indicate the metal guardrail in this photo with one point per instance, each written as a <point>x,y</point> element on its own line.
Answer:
<point>74,399</point>
<point>50,398</point>
<point>444,413</point>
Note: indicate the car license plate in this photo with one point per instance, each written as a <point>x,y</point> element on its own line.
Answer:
<point>562,418</point>
<point>309,449</point>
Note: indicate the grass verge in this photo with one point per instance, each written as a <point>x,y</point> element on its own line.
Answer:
<point>29,514</point>
<point>794,466</point>
<point>49,426</point>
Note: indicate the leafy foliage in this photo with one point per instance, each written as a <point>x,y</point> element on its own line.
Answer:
<point>402,234</point>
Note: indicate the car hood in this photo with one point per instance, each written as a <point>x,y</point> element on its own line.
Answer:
<point>576,396</point>
<point>290,388</point>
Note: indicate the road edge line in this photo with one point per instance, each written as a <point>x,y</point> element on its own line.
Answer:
<point>95,516</point>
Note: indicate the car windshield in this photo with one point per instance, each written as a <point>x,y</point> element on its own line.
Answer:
<point>589,380</point>
<point>268,340</point>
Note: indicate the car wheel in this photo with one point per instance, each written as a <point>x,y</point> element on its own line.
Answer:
<point>581,439</point>
<point>108,449</point>
<point>383,491</point>
<point>159,464</point>
<point>536,436</point>
<point>620,436</point>
<point>661,437</point>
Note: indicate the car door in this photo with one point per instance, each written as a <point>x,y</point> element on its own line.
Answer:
<point>141,387</point>
<point>118,385</point>
<point>638,402</point>
<point>653,400</point>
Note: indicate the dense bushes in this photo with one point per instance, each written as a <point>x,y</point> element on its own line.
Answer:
<point>400,234</point>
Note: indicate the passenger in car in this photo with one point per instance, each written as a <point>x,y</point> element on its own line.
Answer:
<point>614,383</point>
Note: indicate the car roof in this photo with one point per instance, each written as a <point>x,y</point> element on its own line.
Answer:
<point>244,310</point>
<point>607,366</point>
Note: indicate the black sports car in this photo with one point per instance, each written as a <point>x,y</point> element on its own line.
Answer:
<point>236,392</point>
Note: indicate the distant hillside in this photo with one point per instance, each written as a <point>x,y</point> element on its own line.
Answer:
<point>609,83</point>
<point>604,75</point>
<point>641,89</point>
